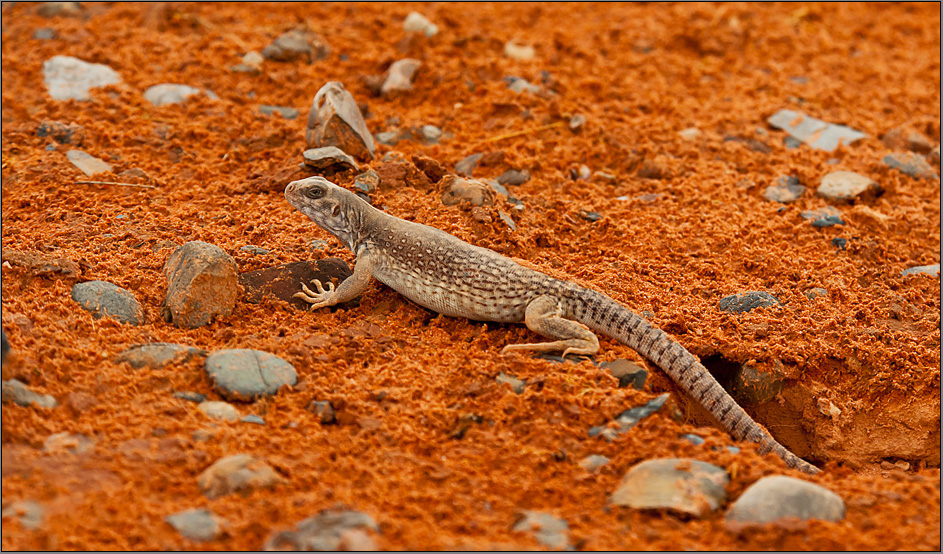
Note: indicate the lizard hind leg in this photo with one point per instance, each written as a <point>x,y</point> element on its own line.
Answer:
<point>544,317</point>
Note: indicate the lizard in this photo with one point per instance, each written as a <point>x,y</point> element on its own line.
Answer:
<point>454,278</point>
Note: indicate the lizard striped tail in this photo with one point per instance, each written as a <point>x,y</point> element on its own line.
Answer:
<point>604,315</point>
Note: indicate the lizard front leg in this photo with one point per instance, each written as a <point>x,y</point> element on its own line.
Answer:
<point>544,316</point>
<point>350,288</point>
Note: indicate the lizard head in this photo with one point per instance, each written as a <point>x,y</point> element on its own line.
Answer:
<point>333,208</point>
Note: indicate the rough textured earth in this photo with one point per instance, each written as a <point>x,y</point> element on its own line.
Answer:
<point>644,132</point>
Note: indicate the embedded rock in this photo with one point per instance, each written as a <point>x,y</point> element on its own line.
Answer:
<point>105,299</point>
<point>201,285</point>
<point>335,120</point>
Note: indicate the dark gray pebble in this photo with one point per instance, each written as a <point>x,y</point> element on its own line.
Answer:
<point>105,299</point>
<point>158,354</point>
<point>747,301</point>
<point>513,177</point>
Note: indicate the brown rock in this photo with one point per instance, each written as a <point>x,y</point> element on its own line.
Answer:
<point>201,285</point>
<point>907,138</point>
<point>62,133</point>
<point>40,264</point>
<point>238,473</point>
<point>846,186</point>
<point>432,168</point>
<point>399,78</point>
<point>283,281</point>
<point>335,120</point>
<point>296,44</point>
<point>457,189</point>
<point>397,174</point>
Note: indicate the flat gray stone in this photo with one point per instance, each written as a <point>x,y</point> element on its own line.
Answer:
<point>593,462</point>
<point>287,113</point>
<point>242,374</point>
<point>222,411</point>
<point>517,385</point>
<point>237,473</point>
<point>933,270</point>
<point>158,354</point>
<point>825,216</point>
<point>747,301</point>
<point>330,530</point>
<point>787,189</point>
<point>190,396</point>
<point>329,158</point>
<point>776,497</point>
<point>197,524</point>
<point>335,120</point>
<point>679,484</point>
<point>201,285</point>
<point>252,418</point>
<point>629,418</point>
<point>845,186</point>
<point>549,531</point>
<point>69,78</point>
<point>514,177</point>
<point>466,166</point>
<point>105,299</point>
<point>430,134</point>
<point>88,164</point>
<point>18,393</point>
<point>627,372</point>
<point>71,133</point>
<point>167,94</point>
<point>814,132</point>
<point>29,513</point>
<point>911,164</point>
<point>399,78</point>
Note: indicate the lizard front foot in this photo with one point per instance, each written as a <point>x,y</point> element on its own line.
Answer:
<point>319,299</point>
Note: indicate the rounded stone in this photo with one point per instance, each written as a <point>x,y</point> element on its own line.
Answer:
<point>747,301</point>
<point>18,393</point>
<point>197,524</point>
<point>157,355</point>
<point>69,78</point>
<point>105,299</point>
<point>777,497</point>
<point>680,484</point>
<point>242,374</point>
<point>168,93</point>
<point>845,186</point>
<point>219,410</point>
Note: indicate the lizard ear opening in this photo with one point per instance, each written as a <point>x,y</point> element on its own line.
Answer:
<point>336,211</point>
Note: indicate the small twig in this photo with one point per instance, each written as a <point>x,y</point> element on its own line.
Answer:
<point>524,132</point>
<point>113,183</point>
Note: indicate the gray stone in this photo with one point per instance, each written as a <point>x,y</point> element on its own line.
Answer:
<point>88,164</point>
<point>324,410</point>
<point>330,530</point>
<point>4,346</point>
<point>29,513</point>
<point>252,418</point>
<point>287,113</point>
<point>167,94</point>
<point>787,189</point>
<point>417,23</point>
<point>367,181</point>
<point>549,531</point>
<point>907,138</point>
<point>158,354</point>
<point>18,393</point>
<point>296,44</point>
<point>520,52</point>
<point>255,250</point>
<point>911,164</point>
<point>840,242</point>
<point>814,132</point>
<point>628,373</point>
<point>520,85</point>
<point>388,138</point>
<point>430,133</point>
<point>846,186</point>
<point>590,216</point>
<point>690,134</point>
<point>237,473</point>
<point>466,166</point>
<point>44,33</point>
<point>73,133</point>
<point>629,418</point>
<point>69,78</point>
<point>201,285</point>
<point>197,524</point>
<point>932,270</point>
<point>514,177</point>
<point>824,217</point>
<point>328,159</point>
<point>747,301</point>
<point>696,440</point>
<point>816,292</point>
<point>593,462</point>
<point>105,299</point>
<point>335,120</point>
<point>577,122</point>
<point>517,385</point>
<point>222,411</point>
<point>400,76</point>
<point>507,220</point>
<point>242,374</point>
<point>776,497</point>
<point>190,396</point>
<point>680,484</point>
<point>283,281</point>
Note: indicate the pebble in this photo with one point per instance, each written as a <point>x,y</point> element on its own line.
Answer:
<point>549,531</point>
<point>197,524</point>
<point>839,242</point>
<point>202,435</point>
<point>190,396</point>
<point>335,120</point>
<point>466,166</point>
<point>755,386</point>
<point>824,217</point>
<point>457,190</point>
<point>283,281</point>
<point>932,270</point>
<point>593,462</point>
<point>690,134</point>
<point>67,442</point>
<point>387,138</point>
<point>430,134</point>
<point>520,85</point>
<point>814,132</point>
<point>222,411</point>
<point>329,159</point>
<point>747,301</point>
<point>628,373</point>
<point>255,250</point>
<point>88,164</point>
<point>69,78</point>
<point>911,164</point>
<point>237,473</point>
<point>520,52</point>
<point>18,393</point>
<point>243,374</point>
<point>514,177</point>
<point>399,78</point>
<point>680,484</point>
<point>105,299</point>
<point>330,530</point>
<point>816,292</point>
<point>577,122</point>
<point>590,216</point>
<point>158,354</point>
<point>906,138</point>
<point>787,189</point>
<point>696,440</point>
<point>201,285</point>
<point>252,418</point>
<point>517,385</point>
<point>167,94</point>
<point>297,44</point>
<point>324,410</point>
<point>497,187</point>
<point>367,181</point>
<point>776,497</point>
<point>29,513</point>
<point>507,220</point>
<point>845,186</point>
<point>415,22</point>
<point>629,418</point>
<point>73,133</point>
<point>286,112</point>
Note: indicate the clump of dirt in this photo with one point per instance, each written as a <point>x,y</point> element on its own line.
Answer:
<point>644,133</point>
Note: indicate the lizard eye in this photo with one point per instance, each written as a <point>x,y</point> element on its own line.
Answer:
<point>314,193</point>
